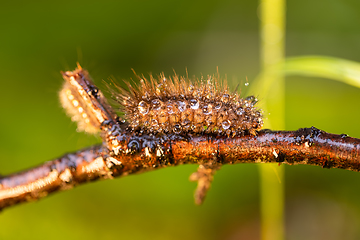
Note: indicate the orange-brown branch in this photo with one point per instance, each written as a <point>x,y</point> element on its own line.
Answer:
<point>145,153</point>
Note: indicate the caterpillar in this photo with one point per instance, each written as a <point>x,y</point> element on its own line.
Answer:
<point>180,105</point>
<point>175,105</point>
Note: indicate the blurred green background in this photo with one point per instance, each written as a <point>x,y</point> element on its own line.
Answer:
<point>38,39</point>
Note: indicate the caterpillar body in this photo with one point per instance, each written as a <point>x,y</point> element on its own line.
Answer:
<point>182,106</point>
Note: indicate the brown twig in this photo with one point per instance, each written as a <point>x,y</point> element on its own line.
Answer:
<point>309,146</point>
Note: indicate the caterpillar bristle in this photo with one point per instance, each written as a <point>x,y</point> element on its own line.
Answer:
<point>180,105</point>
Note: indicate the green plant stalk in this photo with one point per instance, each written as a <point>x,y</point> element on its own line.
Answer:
<point>272,14</point>
<point>322,66</point>
<point>336,69</point>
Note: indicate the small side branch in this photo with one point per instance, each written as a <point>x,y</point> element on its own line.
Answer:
<point>204,177</point>
<point>309,146</point>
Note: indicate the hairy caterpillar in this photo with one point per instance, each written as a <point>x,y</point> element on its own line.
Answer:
<point>175,105</point>
<point>180,105</point>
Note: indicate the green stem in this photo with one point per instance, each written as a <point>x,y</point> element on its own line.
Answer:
<point>272,179</point>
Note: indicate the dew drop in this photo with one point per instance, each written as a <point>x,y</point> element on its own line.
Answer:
<point>240,111</point>
<point>226,124</point>
<point>143,108</point>
<point>225,98</point>
<point>247,84</point>
<point>181,106</point>
<point>170,108</point>
<point>207,109</point>
<point>252,99</point>
<point>154,123</point>
<point>218,105</point>
<point>156,104</point>
<point>194,103</point>
<point>177,129</point>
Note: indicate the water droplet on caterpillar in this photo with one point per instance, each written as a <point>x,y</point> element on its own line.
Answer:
<point>181,106</point>
<point>226,124</point>
<point>177,129</point>
<point>250,98</point>
<point>207,109</point>
<point>156,104</point>
<point>240,111</point>
<point>170,108</point>
<point>154,123</point>
<point>225,98</point>
<point>258,115</point>
<point>218,105</point>
<point>143,107</point>
<point>194,103</point>
<point>146,123</point>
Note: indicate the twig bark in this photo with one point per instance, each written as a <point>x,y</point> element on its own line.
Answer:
<point>309,146</point>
